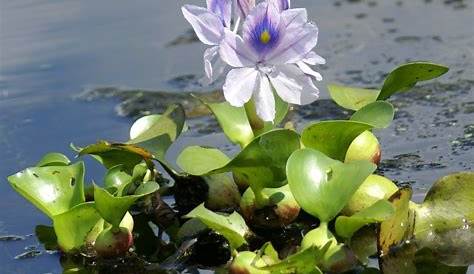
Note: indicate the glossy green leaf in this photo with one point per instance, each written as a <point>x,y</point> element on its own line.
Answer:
<point>112,208</point>
<point>300,262</point>
<point>445,221</point>
<point>117,177</point>
<point>379,114</point>
<point>73,227</point>
<point>262,162</point>
<point>378,212</point>
<point>52,189</point>
<point>333,138</point>
<point>323,186</point>
<point>54,159</point>
<point>114,154</point>
<point>232,227</point>
<point>196,160</point>
<point>352,98</point>
<point>407,75</point>
<point>233,121</point>
<point>157,134</point>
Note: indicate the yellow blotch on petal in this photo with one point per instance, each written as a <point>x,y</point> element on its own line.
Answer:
<point>265,37</point>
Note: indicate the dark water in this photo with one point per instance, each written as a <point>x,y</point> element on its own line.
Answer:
<point>51,51</point>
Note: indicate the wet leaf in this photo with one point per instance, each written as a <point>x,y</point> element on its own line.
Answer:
<point>396,229</point>
<point>352,98</point>
<point>323,186</point>
<point>73,227</point>
<point>407,75</point>
<point>196,160</point>
<point>115,154</point>
<point>332,137</point>
<point>52,189</point>
<point>112,208</point>
<point>157,134</point>
<point>378,212</point>
<point>378,114</point>
<point>233,121</point>
<point>117,177</point>
<point>54,159</point>
<point>445,221</point>
<point>232,227</point>
<point>47,237</point>
<point>301,262</point>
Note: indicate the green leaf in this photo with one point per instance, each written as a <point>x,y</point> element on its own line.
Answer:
<point>352,98</point>
<point>117,177</point>
<point>301,262</point>
<point>445,221</point>
<point>54,159</point>
<point>52,189</point>
<point>323,186</point>
<point>407,75</point>
<point>196,160</point>
<point>262,162</point>
<point>74,227</point>
<point>233,121</point>
<point>378,212</point>
<point>378,114</point>
<point>281,110</point>
<point>114,154</point>
<point>112,208</point>
<point>332,137</point>
<point>47,237</point>
<point>157,134</point>
<point>232,227</point>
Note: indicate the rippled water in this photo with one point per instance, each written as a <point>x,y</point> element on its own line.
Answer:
<point>51,51</point>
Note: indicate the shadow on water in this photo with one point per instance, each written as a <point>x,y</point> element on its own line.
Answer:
<point>53,51</point>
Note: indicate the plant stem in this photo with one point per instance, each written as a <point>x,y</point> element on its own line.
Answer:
<point>256,123</point>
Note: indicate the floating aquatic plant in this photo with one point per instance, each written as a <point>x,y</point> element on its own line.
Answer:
<point>288,201</point>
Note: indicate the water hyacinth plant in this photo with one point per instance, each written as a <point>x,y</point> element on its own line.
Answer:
<point>309,201</point>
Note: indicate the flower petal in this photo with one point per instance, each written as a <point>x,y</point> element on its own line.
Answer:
<point>264,100</point>
<point>309,71</point>
<point>222,8</point>
<point>261,29</point>
<point>213,64</point>
<point>295,44</point>
<point>293,86</point>
<point>314,59</point>
<point>207,25</point>
<point>243,7</point>
<point>281,4</point>
<point>295,17</point>
<point>239,85</point>
<point>235,52</point>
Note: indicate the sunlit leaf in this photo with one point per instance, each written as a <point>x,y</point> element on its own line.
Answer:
<point>73,227</point>
<point>397,228</point>
<point>323,186</point>
<point>332,137</point>
<point>54,159</point>
<point>52,189</point>
<point>112,208</point>
<point>379,114</point>
<point>196,160</point>
<point>300,262</point>
<point>117,177</point>
<point>407,75</point>
<point>114,154</point>
<point>232,226</point>
<point>352,98</point>
<point>445,221</point>
<point>157,134</point>
<point>233,121</point>
<point>378,212</point>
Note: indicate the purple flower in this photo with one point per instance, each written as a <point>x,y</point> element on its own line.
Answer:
<point>243,7</point>
<point>274,51</point>
<point>282,4</point>
<point>209,25</point>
